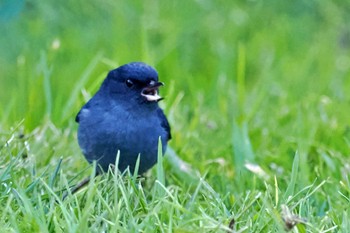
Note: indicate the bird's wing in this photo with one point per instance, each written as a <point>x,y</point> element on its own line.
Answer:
<point>77,117</point>
<point>85,107</point>
<point>164,122</point>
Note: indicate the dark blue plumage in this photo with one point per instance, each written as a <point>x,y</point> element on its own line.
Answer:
<point>124,115</point>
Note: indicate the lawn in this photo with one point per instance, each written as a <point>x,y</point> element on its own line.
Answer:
<point>256,93</point>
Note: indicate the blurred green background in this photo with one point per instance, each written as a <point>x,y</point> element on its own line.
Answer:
<point>242,77</point>
<point>260,81</point>
<point>51,51</point>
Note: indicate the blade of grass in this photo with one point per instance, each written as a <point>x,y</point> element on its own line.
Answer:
<point>160,171</point>
<point>294,176</point>
<point>242,147</point>
<point>55,173</point>
<point>241,75</point>
<point>67,109</point>
<point>46,71</point>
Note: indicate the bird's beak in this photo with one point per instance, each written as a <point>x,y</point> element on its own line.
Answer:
<point>150,92</point>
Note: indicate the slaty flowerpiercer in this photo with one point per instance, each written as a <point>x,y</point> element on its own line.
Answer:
<point>124,116</point>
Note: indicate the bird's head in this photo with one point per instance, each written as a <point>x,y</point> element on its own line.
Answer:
<point>134,81</point>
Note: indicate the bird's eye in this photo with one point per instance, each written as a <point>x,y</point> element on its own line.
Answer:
<point>129,83</point>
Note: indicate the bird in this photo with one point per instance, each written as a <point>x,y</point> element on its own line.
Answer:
<point>124,118</point>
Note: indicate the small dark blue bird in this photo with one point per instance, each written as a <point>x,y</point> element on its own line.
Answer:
<point>124,116</point>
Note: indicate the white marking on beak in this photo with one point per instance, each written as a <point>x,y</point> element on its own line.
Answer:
<point>152,96</point>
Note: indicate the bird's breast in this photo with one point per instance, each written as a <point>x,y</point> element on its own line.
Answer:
<point>130,132</point>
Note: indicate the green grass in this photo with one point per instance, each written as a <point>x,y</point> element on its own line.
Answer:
<point>256,94</point>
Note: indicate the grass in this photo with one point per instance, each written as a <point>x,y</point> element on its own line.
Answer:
<point>256,94</point>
